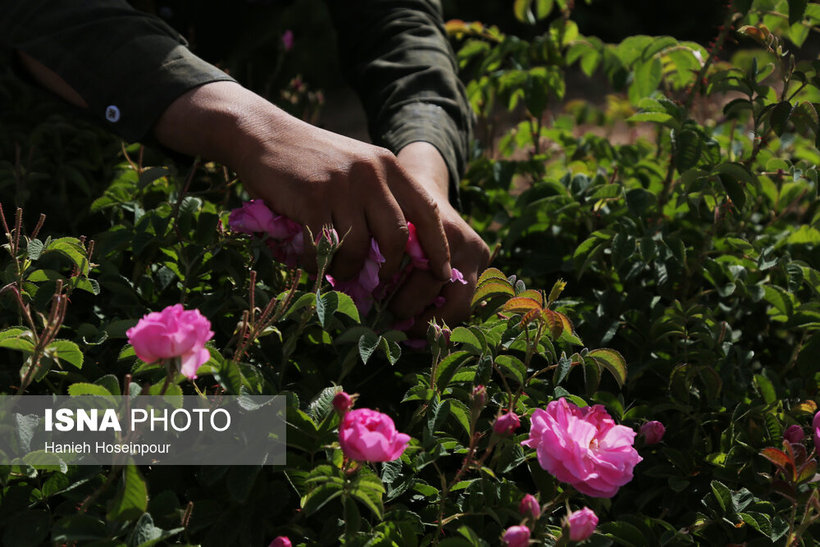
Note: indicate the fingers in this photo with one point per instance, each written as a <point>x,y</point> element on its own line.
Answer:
<point>416,294</point>
<point>422,210</point>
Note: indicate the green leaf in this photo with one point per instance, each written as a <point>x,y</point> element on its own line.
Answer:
<point>491,287</point>
<point>688,146</point>
<point>779,116</point>
<point>346,306</point>
<point>722,494</point>
<point>17,338</point>
<point>765,388</point>
<point>465,336</point>
<point>110,382</point>
<point>512,367</point>
<point>368,342</point>
<point>84,388</point>
<point>612,361</point>
<point>71,248</point>
<point>647,78</point>
<point>34,247</point>
<point>521,9</point>
<point>67,351</point>
<point>657,117</point>
<point>326,305</point>
<point>131,500</point>
<point>797,8</point>
<point>461,414</point>
<point>321,496</point>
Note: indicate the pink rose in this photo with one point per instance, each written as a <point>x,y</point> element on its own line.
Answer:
<point>506,424</point>
<point>815,424</point>
<point>368,435</point>
<point>652,432</point>
<point>173,332</point>
<point>414,250</point>
<point>285,240</point>
<point>253,217</point>
<point>583,447</point>
<point>342,402</point>
<point>517,536</point>
<point>361,288</point>
<point>581,524</point>
<point>794,434</point>
<point>457,277</point>
<point>529,506</point>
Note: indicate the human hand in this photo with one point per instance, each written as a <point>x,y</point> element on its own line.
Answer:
<point>312,176</point>
<point>468,252</point>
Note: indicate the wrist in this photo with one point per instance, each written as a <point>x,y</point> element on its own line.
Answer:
<point>425,164</point>
<point>220,121</point>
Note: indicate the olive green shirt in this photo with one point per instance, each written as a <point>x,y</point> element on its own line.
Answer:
<point>129,65</point>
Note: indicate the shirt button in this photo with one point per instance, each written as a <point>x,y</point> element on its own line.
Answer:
<point>112,113</point>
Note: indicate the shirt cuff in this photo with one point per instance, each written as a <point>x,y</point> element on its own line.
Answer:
<point>426,122</point>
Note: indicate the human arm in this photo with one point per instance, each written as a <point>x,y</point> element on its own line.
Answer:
<point>135,73</point>
<point>398,58</point>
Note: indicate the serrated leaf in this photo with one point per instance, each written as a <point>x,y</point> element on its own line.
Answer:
<point>777,457</point>
<point>84,388</point>
<point>520,304</point>
<point>34,247</point>
<point>461,414</point>
<point>17,338</point>
<point>449,366</point>
<point>71,248</point>
<point>612,361</point>
<point>512,367</point>
<point>131,500</point>
<point>66,351</point>
<point>465,336</point>
<point>491,287</point>
<point>368,343</point>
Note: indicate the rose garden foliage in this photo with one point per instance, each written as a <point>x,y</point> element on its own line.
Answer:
<point>656,282</point>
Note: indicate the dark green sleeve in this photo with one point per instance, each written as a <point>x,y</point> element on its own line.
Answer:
<point>127,65</point>
<point>399,60</point>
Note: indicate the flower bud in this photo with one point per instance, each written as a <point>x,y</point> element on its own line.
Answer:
<point>281,541</point>
<point>327,242</point>
<point>506,424</point>
<point>794,434</point>
<point>342,402</point>
<point>517,536</point>
<point>582,524</point>
<point>652,432</point>
<point>529,506</point>
<point>479,396</point>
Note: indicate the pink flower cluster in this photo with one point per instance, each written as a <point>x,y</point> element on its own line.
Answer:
<point>583,447</point>
<point>815,424</point>
<point>369,435</point>
<point>282,235</point>
<point>171,333</point>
